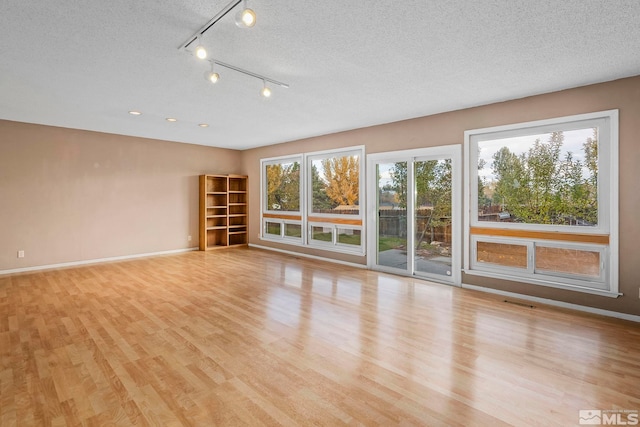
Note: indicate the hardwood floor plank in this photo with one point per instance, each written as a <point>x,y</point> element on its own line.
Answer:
<point>250,337</point>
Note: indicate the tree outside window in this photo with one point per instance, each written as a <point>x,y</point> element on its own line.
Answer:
<point>335,184</point>
<point>547,178</point>
<point>283,186</point>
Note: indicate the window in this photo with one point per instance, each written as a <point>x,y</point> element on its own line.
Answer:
<point>281,207</point>
<point>273,228</point>
<point>501,254</point>
<point>282,180</point>
<point>543,202</point>
<point>540,178</point>
<point>315,200</point>
<point>335,183</point>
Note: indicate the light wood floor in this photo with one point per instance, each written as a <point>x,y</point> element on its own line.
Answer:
<point>249,337</point>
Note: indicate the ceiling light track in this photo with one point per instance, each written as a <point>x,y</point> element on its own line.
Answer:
<point>228,8</point>
<point>245,18</point>
<point>250,73</point>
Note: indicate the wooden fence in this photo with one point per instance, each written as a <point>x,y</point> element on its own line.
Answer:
<point>393,223</point>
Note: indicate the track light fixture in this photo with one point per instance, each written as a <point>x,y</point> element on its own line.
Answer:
<point>201,52</point>
<point>265,92</point>
<point>212,76</point>
<point>245,18</point>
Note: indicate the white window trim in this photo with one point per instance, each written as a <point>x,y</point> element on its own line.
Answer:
<point>346,246</point>
<point>418,154</point>
<point>297,240</point>
<point>480,266</point>
<point>321,243</point>
<point>541,276</point>
<point>607,207</point>
<point>334,245</point>
<point>306,203</point>
<point>310,157</point>
<point>282,237</point>
<point>263,196</point>
<point>601,249</point>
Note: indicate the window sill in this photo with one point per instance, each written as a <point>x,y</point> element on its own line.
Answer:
<point>319,246</point>
<point>542,282</point>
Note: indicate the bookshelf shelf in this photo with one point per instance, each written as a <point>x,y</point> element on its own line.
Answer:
<point>223,211</point>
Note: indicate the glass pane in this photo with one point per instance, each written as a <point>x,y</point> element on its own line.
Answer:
<point>283,187</point>
<point>273,228</point>
<point>322,233</point>
<point>335,182</point>
<point>293,230</point>
<point>565,260</point>
<point>503,254</point>
<point>349,236</point>
<point>547,178</point>
<point>433,217</point>
<point>392,215</point>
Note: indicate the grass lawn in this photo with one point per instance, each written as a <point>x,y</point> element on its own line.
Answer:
<point>346,239</point>
<point>273,228</point>
<point>386,243</point>
<point>325,237</point>
<point>349,239</point>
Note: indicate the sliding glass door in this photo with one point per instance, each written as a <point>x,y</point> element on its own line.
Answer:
<point>414,202</point>
<point>433,217</point>
<point>392,227</point>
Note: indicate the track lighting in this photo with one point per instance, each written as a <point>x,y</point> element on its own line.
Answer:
<point>265,92</point>
<point>212,76</point>
<point>246,18</point>
<point>201,52</point>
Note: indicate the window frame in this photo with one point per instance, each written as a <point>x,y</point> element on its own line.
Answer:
<point>497,267</point>
<point>319,155</point>
<point>306,218</point>
<point>264,207</point>
<point>531,273</point>
<point>607,123</point>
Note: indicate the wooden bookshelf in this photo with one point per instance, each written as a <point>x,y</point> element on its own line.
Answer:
<point>223,211</point>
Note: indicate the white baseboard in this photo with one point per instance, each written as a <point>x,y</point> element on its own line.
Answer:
<point>555,303</point>
<point>577,307</point>
<point>608,313</point>
<point>94,261</point>
<point>298,254</point>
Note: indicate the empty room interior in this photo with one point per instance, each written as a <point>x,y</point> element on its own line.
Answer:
<point>419,213</point>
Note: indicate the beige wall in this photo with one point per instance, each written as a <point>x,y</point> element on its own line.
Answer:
<point>448,128</point>
<point>70,195</point>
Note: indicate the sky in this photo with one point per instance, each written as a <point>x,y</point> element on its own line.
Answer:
<point>384,169</point>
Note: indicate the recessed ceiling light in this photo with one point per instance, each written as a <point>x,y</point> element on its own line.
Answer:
<point>135,113</point>
<point>203,125</point>
<point>171,119</point>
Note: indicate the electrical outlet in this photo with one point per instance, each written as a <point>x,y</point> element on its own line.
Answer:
<point>189,238</point>
<point>20,254</point>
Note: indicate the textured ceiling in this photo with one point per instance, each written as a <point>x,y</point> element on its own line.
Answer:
<point>85,64</point>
